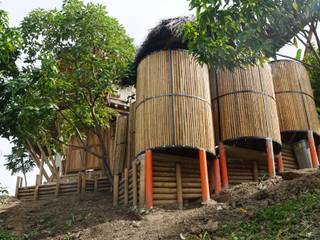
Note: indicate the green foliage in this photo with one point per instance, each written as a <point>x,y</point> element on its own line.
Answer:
<point>9,47</point>
<point>314,73</point>
<point>237,33</point>
<point>294,219</point>
<point>74,58</point>
<point>19,161</point>
<point>4,235</point>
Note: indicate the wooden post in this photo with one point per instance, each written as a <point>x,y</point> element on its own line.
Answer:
<point>318,151</point>
<point>115,190</point>
<point>148,174</point>
<point>95,186</point>
<point>83,183</point>
<point>313,152</point>
<point>255,170</point>
<point>142,183</point>
<point>79,184</point>
<point>36,188</point>
<point>179,186</point>
<point>56,193</point>
<point>216,176</point>
<point>41,170</point>
<point>17,187</point>
<point>223,166</point>
<point>280,163</point>
<point>270,158</point>
<point>204,176</point>
<point>126,187</point>
<point>134,184</point>
<point>20,184</point>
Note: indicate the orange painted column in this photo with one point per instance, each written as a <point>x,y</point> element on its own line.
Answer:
<point>313,151</point>
<point>270,158</point>
<point>223,166</point>
<point>216,176</point>
<point>280,163</point>
<point>148,174</point>
<point>204,176</point>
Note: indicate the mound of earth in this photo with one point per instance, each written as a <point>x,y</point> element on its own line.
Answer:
<point>93,217</point>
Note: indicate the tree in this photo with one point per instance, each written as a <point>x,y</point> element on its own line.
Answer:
<point>19,161</point>
<point>9,47</point>
<point>238,33</point>
<point>74,58</point>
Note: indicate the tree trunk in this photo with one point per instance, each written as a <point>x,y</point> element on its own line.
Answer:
<point>25,179</point>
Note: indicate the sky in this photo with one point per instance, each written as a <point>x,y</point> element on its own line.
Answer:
<point>137,16</point>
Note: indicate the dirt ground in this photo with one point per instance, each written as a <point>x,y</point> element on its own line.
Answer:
<point>93,217</point>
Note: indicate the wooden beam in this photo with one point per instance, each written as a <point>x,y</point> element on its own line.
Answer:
<point>313,151</point>
<point>126,187</point>
<point>179,186</point>
<point>223,166</point>
<point>142,183</point>
<point>17,187</point>
<point>204,176</point>
<point>134,184</point>
<point>148,179</point>
<point>270,158</point>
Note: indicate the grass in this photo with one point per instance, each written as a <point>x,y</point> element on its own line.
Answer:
<point>4,235</point>
<point>293,219</point>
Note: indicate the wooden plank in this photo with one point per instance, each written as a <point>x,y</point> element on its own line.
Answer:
<point>142,183</point>
<point>179,186</point>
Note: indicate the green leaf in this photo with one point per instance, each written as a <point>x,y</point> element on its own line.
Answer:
<point>299,54</point>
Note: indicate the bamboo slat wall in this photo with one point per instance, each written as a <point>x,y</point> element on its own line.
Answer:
<point>243,104</point>
<point>288,158</point>
<point>121,137</point>
<point>173,103</point>
<point>131,135</point>
<point>295,102</point>
<point>165,181</point>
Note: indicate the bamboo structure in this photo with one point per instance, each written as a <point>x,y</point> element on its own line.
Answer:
<point>173,104</point>
<point>295,101</point>
<point>120,147</point>
<point>244,107</point>
<point>131,135</point>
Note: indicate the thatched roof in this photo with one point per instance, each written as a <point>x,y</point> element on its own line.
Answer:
<point>167,35</point>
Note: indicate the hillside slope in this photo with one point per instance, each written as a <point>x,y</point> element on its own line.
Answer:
<point>242,212</point>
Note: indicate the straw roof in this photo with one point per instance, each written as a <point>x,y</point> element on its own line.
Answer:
<point>167,35</point>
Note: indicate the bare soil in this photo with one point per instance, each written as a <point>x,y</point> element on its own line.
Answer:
<point>93,217</point>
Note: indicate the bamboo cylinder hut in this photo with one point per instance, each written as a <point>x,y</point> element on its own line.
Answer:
<point>173,103</point>
<point>173,133</point>
<point>295,101</point>
<point>244,107</point>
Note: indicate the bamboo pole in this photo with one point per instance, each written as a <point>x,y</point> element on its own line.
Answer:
<point>280,163</point>
<point>204,176</point>
<point>313,152</point>
<point>270,158</point>
<point>223,166</point>
<point>148,179</point>
<point>255,170</point>
<point>142,183</point>
<point>134,184</point>
<point>115,190</point>
<point>126,186</point>
<point>216,176</point>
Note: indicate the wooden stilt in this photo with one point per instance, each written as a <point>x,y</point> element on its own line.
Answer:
<point>95,186</point>
<point>216,176</point>
<point>313,152</point>
<point>126,187</point>
<point>56,193</point>
<point>79,183</point>
<point>223,166</point>
<point>115,190</point>
<point>134,184</point>
<point>179,186</point>
<point>204,176</point>
<point>270,158</point>
<point>255,170</point>
<point>36,189</point>
<point>280,163</point>
<point>17,187</point>
<point>83,183</point>
<point>142,186</point>
<point>148,174</point>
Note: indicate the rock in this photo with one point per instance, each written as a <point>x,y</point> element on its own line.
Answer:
<point>289,175</point>
<point>10,227</point>
<point>262,195</point>
<point>136,224</point>
<point>211,226</point>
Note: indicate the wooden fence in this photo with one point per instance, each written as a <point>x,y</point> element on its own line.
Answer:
<point>51,190</point>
